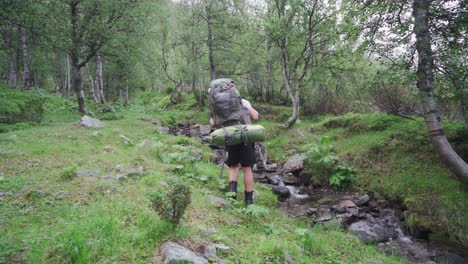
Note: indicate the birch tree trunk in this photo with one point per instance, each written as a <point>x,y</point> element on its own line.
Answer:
<point>74,56</point>
<point>269,66</point>
<point>68,77</point>
<point>92,92</point>
<point>12,74</point>
<point>26,68</point>
<point>126,94</point>
<point>99,80</point>
<point>210,44</point>
<point>425,83</point>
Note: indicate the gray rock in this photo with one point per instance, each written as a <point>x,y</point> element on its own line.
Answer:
<point>273,179</point>
<point>87,121</point>
<point>87,173</point>
<point>144,144</point>
<point>325,200</point>
<point>354,211</point>
<point>347,203</point>
<point>369,232</point>
<point>206,139</point>
<point>282,192</point>
<point>96,134</point>
<point>271,167</point>
<point>173,253</point>
<point>288,257</point>
<point>13,137</point>
<point>200,130</point>
<point>222,248</point>
<point>120,177</point>
<point>291,179</point>
<point>210,251</point>
<point>127,140</point>
<point>219,202</point>
<point>163,130</point>
<point>208,231</point>
<point>119,167</point>
<point>2,194</point>
<point>383,203</point>
<point>339,209</point>
<point>311,211</point>
<point>1,175</point>
<point>363,200</point>
<point>295,163</point>
<point>136,172</point>
<point>323,218</point>
<point>109,178</point>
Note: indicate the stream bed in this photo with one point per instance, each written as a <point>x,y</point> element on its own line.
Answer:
<point>372,220</point>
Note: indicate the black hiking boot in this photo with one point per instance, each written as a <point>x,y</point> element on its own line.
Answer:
<point>249,198</point>
<point>233,188</point>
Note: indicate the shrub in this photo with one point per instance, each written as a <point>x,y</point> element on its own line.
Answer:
<point>321,158</point>
<point>68,173</point>
<point>170,201</point>
<point>17,106</point>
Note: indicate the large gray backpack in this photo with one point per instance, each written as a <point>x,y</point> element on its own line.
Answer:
<point>225,104</point>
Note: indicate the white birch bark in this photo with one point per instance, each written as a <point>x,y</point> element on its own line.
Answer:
<point>99,80</point>
<point>26,68</point>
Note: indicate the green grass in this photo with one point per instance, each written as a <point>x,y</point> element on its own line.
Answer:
<point>86,219</point>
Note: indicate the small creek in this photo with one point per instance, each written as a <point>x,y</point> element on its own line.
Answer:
<point>374,221</point>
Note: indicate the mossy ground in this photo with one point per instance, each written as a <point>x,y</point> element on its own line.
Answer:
<point>50,218</point>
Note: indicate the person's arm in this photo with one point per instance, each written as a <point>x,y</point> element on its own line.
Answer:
<point>252,112</point>
<point>211,122</point>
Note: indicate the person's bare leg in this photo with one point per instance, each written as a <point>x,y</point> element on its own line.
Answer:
<point>234,172</point>
<point>248,178</point>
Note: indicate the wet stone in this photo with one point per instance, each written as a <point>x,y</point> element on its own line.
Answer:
<point>281,191</point>
<point>347,203</point>
<point>311,211</point>
<point>273,179</point>
<point>295,163</point>
<point>339,209</point>
<point>369,232</point>
<point>324,200</point>
<point>291,179</point>
<point>363,200</point>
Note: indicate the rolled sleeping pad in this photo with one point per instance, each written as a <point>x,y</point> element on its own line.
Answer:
<point>232,135</point>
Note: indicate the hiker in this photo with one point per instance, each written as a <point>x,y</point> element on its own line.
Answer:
<point>236,111</point>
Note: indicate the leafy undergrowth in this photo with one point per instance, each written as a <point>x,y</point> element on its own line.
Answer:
<point>394,158</point>
<point>50,215</point>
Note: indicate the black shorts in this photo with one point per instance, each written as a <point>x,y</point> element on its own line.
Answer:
<point>241,153</point>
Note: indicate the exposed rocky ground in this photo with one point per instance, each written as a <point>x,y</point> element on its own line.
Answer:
<point>372,220</point>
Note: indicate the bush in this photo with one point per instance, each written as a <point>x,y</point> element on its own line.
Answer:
<point>170,201</point>
<point>17,106</point>
<point>68,173</point>
<point>321,159</point>
<point>105,111</point>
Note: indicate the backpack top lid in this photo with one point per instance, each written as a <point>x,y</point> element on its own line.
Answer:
<point>220,84</point>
